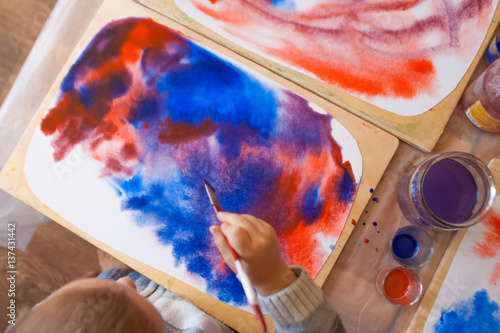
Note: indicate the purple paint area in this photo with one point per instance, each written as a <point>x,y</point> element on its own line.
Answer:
<point>450,191</point>
<point>404,246</point>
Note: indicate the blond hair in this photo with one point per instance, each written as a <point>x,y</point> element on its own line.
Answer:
<point>97,309</point>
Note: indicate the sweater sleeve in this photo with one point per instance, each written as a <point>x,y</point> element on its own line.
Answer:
<point>112,274</point>
<point>302,307</point>
<point>145,287</point>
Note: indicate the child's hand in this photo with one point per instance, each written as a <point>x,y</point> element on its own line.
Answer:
<point>257,245</point>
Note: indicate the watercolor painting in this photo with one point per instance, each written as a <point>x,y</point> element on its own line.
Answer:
<point>469,299</point>
<point>145,114</point>
<point>403,56</point>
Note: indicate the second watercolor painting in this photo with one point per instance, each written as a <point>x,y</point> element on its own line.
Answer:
<point>145,114</point>
<point>404,56</point>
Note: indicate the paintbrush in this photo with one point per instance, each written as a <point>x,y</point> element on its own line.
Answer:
<point>243,277</point>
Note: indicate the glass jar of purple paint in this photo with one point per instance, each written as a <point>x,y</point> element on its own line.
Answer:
<point>447,191</point>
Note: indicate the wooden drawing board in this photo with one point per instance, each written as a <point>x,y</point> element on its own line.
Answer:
<point>425,307</point>
<point>422,131</point>
<point>376,146</point>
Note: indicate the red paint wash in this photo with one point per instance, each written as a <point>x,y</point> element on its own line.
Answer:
<point>175,133</point>
<point>331,220</point>
<point>495,276</point>
<point>489,247</point>
<point>129,151</point>
<point>396,284</point>
<point>393,70</point>
<point>419,72</point>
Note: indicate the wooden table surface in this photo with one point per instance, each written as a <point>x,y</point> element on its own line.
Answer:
<point>350,286</point>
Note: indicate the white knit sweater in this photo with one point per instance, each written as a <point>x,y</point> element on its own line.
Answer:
<point>301,307</point>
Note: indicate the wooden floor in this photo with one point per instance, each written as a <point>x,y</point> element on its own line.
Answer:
<point>54,256</point>
<point>20,24</point>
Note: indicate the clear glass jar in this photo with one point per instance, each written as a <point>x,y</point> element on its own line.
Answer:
<point>448,191</point>
<point>493,51</point>
<point>399,285</point>
<point>411,246</point>
<point>481,99</point>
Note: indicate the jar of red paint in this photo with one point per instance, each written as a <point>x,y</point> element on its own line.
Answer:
<point>447,191</point>
<point>399,285</point>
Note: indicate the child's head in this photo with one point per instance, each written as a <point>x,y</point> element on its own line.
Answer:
<point>92,305</point>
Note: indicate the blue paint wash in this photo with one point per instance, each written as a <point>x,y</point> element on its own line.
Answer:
<point>312,206</point>
<point>478,314</point>
<point>289,5</point>
<point>144,111</point>
<point>211,84</point>
<point>404,246</point>
<point>346,188</point>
